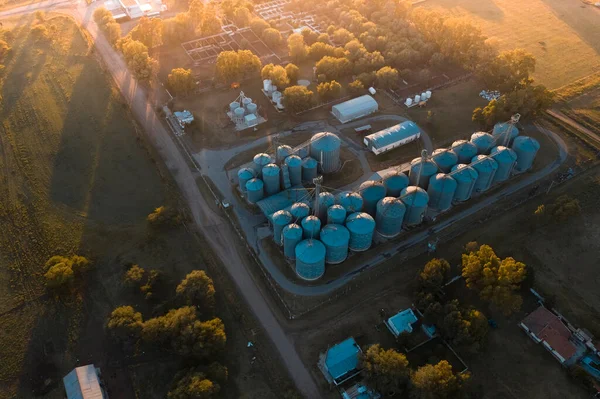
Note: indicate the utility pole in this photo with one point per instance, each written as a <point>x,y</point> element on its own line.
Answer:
<point>317,181</point>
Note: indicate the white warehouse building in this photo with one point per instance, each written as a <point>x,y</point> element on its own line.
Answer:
<point>355,108</point>
<point>392,137</point>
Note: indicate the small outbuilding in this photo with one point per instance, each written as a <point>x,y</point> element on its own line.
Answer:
<point>84,383</point>
<point>184,117</point>
<point>401,322</point>
<point>341,361</point>
<point>392,137</point>
<point>355,108</point>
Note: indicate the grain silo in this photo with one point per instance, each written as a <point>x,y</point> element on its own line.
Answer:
<point>311,225</point>
<point>310,259</point>
<point>326,199</point>
<point>309,169</point>
<point>394,183</point>
<point>336,214</point>
<point>246,101</point>
<point>252,109</point>
<point>271,178</point>
<point>255,190</point>
<point>445,159</point>
<point>506,159</point>
<point>234,105</point>
<point>486,168</point>
<point>238,115</point>
<point>336,238</point>
<point>280,219</point>
<point>294,164</point>
<point>282,152</point>
<point>526,149</point>
<point>465,177</point>
<point>371,192</point>
<point>325,148</point>
<point>390,215</point>
<point>303,151</point>
<point>442,188</point>
<point>292,235</point>
<point>421,170</point>
<point>361,227</point>
<point>483,141</point>
<point>415,199</point>
<point>245,174</point>
<point>260,161</point>
<point>299,211</point>
<point>351,201</point>
<point>505,133</point>
<point>465,150</point>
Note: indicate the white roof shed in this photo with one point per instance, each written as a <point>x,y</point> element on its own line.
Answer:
<point>355,108</point>
<point>83,383</point>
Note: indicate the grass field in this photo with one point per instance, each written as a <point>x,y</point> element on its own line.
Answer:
<point>562,34</point>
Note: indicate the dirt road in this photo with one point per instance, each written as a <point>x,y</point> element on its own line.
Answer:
<point>564,118</point>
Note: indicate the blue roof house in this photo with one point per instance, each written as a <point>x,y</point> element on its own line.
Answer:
<point>401,322</point>
<point>341,361</point>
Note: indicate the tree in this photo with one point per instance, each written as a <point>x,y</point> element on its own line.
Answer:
<point>134,275</point>
<point>329,90</point>
<point>279,77</point>
<point>334,68</point>
<point>434,275</point>
<point>310,36</point>
<point>386,370</point>
<point>201,339</point>
<point>296,47</point>
<point>113,32</point>
<point>463,328</point>
<point>178,29</point>
<point>387,77</point>
<point>124,322</point>
<point>355,87</point>
<point>241,17</point>
<point>563,208</point>
<point>192,384</point>
<point>508,70</point>
<point>319,50</point>
<point>163,216</point>
<point>272,37</point>
<point>293,73</point>
<point>149,31</point>
<point>181,81</point>
<point>211,24</point>
<point>196,13</point>
<point>59,276</point>
<point>367,79</point>
<point>437,381</point>
<point>233,65</point>
<point>297,98</point>
<point>265,72</point>
<point>4,49</point>
<point>170,326</point>
<point>342,36</point>
<point>197,289</point>
<point>258,26</point>
<point>136,55</point>
<point>102,16</point>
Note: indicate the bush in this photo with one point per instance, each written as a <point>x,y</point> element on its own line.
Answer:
<point>134,275</point>
<point>163,216</point>
<point>62,272</point>
<point>355,87</point>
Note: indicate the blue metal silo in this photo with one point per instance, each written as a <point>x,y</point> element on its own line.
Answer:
<point>361,227</point>
<point>416,200</point>
<point>280,219</point>
<point>465,177</point>
<point>336,238</point>
<point>371,192</point>
<point>336,214</point>
<point>351,201</point>
<point>260,161</point>
<point>390,215</point>
<point>292,235</point>
<point>505,133</point>
<point>311,225</point>
<point>244,175</point>
<point>445,159</point>
<point>394,183</point>
<point>486,168</point>
<point>294,164</point>
<point>465,150</point>
<point>271,178</point>
<point>299,211</point>
<point>255,190</point>
<point>325,148</point>
<point>326,200</point>
<point>506,159</point>
<point>309,169</point>
<point>483,141</point>
<point>442,188</point>
<point>526,149</point>
<point>303,151</point>
<point>283,151</point>
<point>427,168</point>
<point>310,259</point>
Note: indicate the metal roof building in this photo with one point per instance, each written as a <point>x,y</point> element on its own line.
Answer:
<point>83,383</point>
<point>355,108</point>
<point>392,137</point>
<point>401,322</point>
<point>341,362</point>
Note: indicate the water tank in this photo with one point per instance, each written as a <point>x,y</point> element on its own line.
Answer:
<point>483,141</point>
<point>255,190</point>
<point>267,85</point>
<point>292,235</point>
<point>270,176</point>
<point>260,161</point>
<point>244,175</point>
<point>423,96</point>
<point>428,92</point>
<point>445,159</point>
<point>351,201</point>
<point>246,101</point>
<point>417,98</point>
<point>465,150</point>
<point>238,114</point>
<point>336,238</point>
<point>276,95</point>
<point>394,183</point>
<point>325,148</point>
<point>427,169</point>
<point>506,159</point>
<point>371,192</point>
<point>326,200</point>
<point>309,169</point>
<point>280,219</point>
<point>361,227</point>
<point>294,164</point>
<point>299,211</point>
<point>526,149</point>
<point>408,102</point>
<point>486,168</point>
<point>465,177</point>
<point>252,108</point>
<point>442,188</point>
<point>336,214</point>
<point>505,133</point>
<point>311,225</point>
<point>310,259</point>
<point>390,215</point>
<point>415,199</point>
<point>233,106</point>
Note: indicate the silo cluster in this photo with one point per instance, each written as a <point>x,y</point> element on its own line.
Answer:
<point>325,148</point>
<point>371,192</point>
<point>299,211</point>
<point>255,190</point>
<point>326,199</point>
<point>259,162</point>
<point>245,174</point>
<point>309,169</point>
<point>282,152</point>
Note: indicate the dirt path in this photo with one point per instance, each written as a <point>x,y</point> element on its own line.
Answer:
<point>564,118</point>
